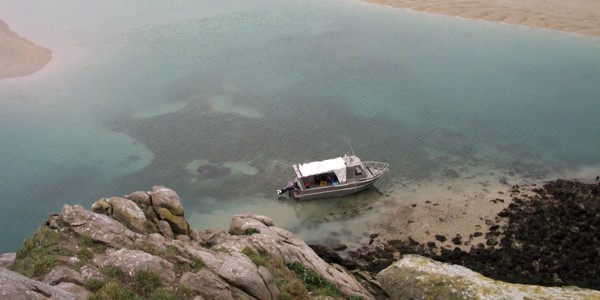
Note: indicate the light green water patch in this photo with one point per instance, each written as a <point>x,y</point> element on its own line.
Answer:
<point>226,104</point>
<point>220,218</point>
<point>192,167</point>
<point>236,167</point>
<point>347,220</point>
<point>241,168</point>
<point>160,109</point>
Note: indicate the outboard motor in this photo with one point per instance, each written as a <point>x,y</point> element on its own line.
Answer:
<point>290,187</point>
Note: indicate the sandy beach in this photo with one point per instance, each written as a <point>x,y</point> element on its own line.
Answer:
<point>19,56</point>
<point>577,16</point>
<point>462,204</point>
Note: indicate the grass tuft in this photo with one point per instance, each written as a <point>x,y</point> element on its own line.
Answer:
<point>85,241</point>
<point>290,288</point>
<point>112,272</point>
<point>197,263</point>
<point>313,281</point>
<point>114,290</point>
<point>251,231</point>
<point>38,254</point>
<point>147,281</point>
<point>94,284</point>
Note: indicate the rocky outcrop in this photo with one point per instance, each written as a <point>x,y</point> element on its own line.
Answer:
<point>18,287</point>
<point>259,233</point>
<point>6,259</point>
<point>100,228</point>
<point>147,212</point>
<point>123,210</point>
<point>417,277</point>
<point>167,205</point>
<point>142,245</point>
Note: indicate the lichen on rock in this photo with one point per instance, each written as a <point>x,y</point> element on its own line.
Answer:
<point>110,252</point>
<point>417,277</point>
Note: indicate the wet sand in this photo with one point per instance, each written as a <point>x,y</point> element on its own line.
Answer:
<point>19,56</point>
<point>576,16</point>
<point>462,202</point>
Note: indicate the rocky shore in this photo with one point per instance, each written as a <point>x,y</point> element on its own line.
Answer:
<point>550,237</point>
<point>140,246</point>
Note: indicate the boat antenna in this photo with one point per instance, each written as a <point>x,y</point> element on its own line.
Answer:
<point>348,140</point>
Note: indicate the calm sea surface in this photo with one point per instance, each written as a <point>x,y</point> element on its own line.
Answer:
<point>142,93</point>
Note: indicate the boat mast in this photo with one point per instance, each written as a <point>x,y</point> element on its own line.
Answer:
<point>348,140</point>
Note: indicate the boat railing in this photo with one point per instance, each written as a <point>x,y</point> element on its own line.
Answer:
<point>383,167</point>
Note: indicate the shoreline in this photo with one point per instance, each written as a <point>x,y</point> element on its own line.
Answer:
<point>19,56</point>
<point>458,203</point>
<point>577,16</point>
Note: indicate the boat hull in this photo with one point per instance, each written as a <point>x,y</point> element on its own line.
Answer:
<point>332,191</point>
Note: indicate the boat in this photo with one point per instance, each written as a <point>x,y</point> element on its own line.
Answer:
<point>335,177</point>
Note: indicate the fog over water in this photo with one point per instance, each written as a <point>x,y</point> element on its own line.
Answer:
<point>144,93</point>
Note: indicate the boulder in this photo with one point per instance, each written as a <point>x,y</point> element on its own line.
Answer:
<point>163,197</point>
<point>167,205</point>
<point>165,229</point>
<point>285,245</point>
<point>15,286</point>
<point>269,281</point>
<point>417,277</point>
<point>178,223</point>
<point>240,224</point>
<point>129,214</point>
<point>63,274</point>
<point>100,227</point>
<point>133,261</point>
<point>241,272</point>
<point>7,259</point>
<point>102,207</point>
<point>141,198</point>
<point>79,291</point>
<point>209,286</point>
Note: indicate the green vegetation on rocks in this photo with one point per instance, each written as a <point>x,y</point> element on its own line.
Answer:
<point>39,253</point>
<point>294,280</point>
<point>290,287</point>
<point>143,285</point>
<point>313,281</point>
<point>251,231</point>
<point>100,254</point>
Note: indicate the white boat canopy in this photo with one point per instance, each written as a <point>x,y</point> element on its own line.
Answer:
<point>335,165</point>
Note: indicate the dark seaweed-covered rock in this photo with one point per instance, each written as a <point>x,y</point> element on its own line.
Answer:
<point>457,240</point>
<point>551,238</point>
<point>329,255</point>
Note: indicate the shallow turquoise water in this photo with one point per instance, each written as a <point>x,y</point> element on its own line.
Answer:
<point>140,94</point>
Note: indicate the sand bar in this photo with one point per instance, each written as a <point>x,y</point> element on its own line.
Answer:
<point>19,56</point>
<point>576,16</point>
